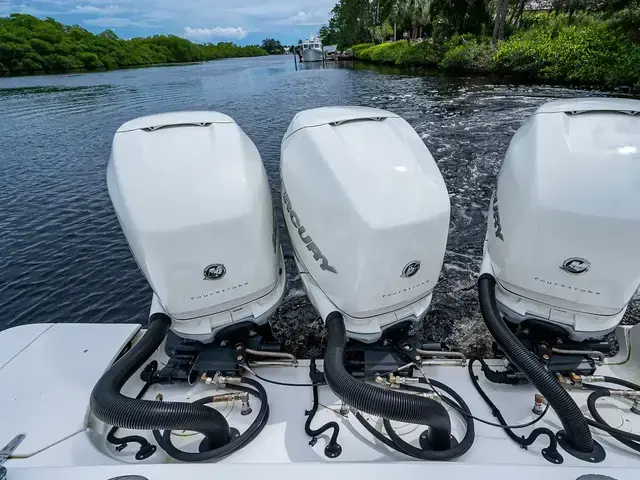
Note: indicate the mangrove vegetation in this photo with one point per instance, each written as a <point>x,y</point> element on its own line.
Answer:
<point>567,41</point>
<point>29,44</point>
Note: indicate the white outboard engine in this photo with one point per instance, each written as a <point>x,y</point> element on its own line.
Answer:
<point>564,223</point>
<point>367,211</point>
<point>193,201</point>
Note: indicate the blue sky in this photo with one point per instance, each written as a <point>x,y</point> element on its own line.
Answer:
<point>241,21</point>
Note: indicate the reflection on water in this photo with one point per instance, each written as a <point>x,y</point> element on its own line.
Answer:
<point>63,257</point>
<point>5,92</point>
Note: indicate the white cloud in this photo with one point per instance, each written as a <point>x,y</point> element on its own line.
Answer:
<point>115,22</point>
<point>24,8</point>
<point>208,34</point>
<point>273,17</point>
<point>106,10</point>
<point>307,18</point>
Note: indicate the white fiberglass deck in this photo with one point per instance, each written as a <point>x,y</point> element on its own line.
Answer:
<point>282,450</point>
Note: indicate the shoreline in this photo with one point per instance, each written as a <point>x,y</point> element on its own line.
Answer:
<point>34,73</point>
<point>38,46</point>
<point>588,49</point>
<point>491,77</point>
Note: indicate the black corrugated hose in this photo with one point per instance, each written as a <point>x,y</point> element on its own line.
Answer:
<point>389,404</point>
<point>146,449</point>
<point>401,446</point>
<point>113,408</point>
<point>258,391</point>
<point>573,421</point>
<point>455,401</point>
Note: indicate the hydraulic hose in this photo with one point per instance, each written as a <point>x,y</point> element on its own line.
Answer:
<point>113,408</point>
<point>396,443</point>
<point>388,404</point>
<point>454,452</point>
<point>577,432</point>
<point>164,439</point>
<point>626,438</point>
<point>622,383</point>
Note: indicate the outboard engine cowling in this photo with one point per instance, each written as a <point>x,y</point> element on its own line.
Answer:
<point>564,222</point>
<point>193,201</point>
<point>367,211</point>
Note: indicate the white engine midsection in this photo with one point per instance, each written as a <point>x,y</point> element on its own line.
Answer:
<point>563,223</point>
<point>521,306</point>
<point>257,310</point>
<point>365,329</point>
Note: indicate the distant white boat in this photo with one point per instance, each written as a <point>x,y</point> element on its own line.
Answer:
<point>312,50</point>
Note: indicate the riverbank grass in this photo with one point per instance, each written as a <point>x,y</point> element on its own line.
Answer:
<point>588,50</point>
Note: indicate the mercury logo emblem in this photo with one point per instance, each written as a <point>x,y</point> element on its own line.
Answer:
<point>214,271</point>
<point>575,265</point>
<point>410,269</point>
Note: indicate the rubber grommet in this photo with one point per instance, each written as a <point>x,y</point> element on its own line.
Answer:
<point>424,443</point>
<point>145,452</point>
<point>333,450</point>
<point>552,456</point>
<point>597,455</point>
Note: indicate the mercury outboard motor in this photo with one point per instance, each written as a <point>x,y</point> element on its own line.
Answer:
<point>560,251</point>
<point>192,198</point>
<point>193,201</point>
<point>367,211</point>
<point>564,223</point>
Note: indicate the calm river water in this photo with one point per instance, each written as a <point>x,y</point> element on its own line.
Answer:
<point>63,257</point>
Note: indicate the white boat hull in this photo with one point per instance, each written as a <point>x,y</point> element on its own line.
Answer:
<point>312,55</point>
<point>82,452</point>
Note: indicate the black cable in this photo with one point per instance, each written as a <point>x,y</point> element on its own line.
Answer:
<point>333,449</point>
<point>146,448</point>
<point>285,384</point>
<point>494,409</point>
<point>550,453</point>
<point>164,440</point>
<point>486,422</point>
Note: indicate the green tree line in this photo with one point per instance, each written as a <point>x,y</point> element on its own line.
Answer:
<point>272,46</point>
<point>574,41</point>
<point>29,44</point>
